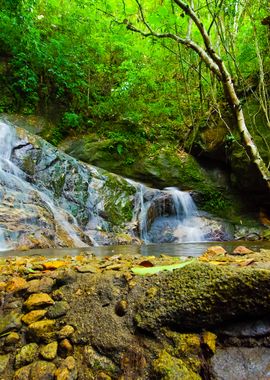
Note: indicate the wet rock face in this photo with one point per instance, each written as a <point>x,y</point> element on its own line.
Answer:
<point>241,363</point>
<point>52,200</point>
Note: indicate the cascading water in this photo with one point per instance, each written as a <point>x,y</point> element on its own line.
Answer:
<point>170,216</point>
<point>14,179</point>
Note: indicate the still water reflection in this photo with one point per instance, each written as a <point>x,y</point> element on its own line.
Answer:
<point>182,249</point>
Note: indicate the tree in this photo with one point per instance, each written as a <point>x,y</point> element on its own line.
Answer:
<point>214,62</point>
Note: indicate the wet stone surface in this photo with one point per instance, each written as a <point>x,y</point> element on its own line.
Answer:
<point>93,318</point>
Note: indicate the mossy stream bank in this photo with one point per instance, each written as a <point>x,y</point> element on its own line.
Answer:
<point>92,318</point>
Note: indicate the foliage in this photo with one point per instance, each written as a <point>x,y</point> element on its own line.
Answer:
<point>75,62</point>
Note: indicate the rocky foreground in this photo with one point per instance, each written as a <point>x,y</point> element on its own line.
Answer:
<point>93,318</point>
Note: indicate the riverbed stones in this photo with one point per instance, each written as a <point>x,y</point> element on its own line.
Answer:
<point>49,351</point>
<point>33,316</point>
<point>26,355</point>
<point>57,310</point>
<point>12,339</point>
<point>42,370</point>
<point>44,285</point>
<point>16,284</point>
<point>241,250</point>
<point>66,332</point>
<point>42,330</point>
<point>171,306</point>
<point>4,359</point>
<point>10,321</point>
<point>38,300</point>
<point>235,363</point>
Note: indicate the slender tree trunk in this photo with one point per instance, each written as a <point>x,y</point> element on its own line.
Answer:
<point>215,63</point>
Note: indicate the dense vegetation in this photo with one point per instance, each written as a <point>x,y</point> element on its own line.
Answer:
<point>76,62</point>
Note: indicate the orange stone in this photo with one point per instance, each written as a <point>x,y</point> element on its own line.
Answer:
<point>15,284</point>
<point>216,250</point>
<point>241,250</point>
<point>52,265</point>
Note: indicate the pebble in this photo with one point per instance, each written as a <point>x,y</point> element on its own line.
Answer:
<point>59,309</point>
<point>44,330</point>
<point>22,373</point>
<point>52,265</point>
<point>241,250</point>
<point>26,355</point>
<point>44,285</point>
<point>33,316</point>
<point>12,338</point>
<point>49,351</point>
<point>88,268</point>
<point>42,370</point>
<point>38,300</point>
<point>66,332</point>
<point>66,346</point>
<point>4,359</point>
<point>10,321</point>
<point>16,284</point>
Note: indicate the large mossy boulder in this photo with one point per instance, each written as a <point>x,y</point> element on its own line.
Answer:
<point>163,166</point>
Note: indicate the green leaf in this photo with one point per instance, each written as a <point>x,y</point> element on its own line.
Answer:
<point>141,271</point>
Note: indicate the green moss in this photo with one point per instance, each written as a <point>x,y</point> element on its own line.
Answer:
<point>29,165</point>
<point>168,367</point>
<point>118,200</point>
<point>204,295</point>
<point>187,347</point>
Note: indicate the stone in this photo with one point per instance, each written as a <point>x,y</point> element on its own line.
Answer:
<point>66,332</point>
<point>42,370</point>
<point>209,340</point>
<point>16,284</point>
<point>23,373</point>
<point>52,265</point>
<point>2,286</point>
<point>171,368</point>
<point>43,285</point>
<point>42,330</point>
<point>66,346</point>
<point>103,376</point>
<point>67,370</point>
<point>49,351</point>
<point>33,316</point>
<point>235,363</point>
<point>70,363</point>
<point>4,360</point>
<point>10,321</point>
<point>215,250</point>
<point>87,268</point>
<point>12,338</point>
<point>241,250</point>
<point>26,355</point>
<point>59,309</point>
<point>62,374</point>
<point>38,300</point>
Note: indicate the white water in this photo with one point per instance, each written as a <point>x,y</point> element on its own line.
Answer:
<point>12,177</point>
<point>181,224</point>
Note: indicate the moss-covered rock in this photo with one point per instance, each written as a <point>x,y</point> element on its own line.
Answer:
<point>171,368</point>
<point>204,295</point>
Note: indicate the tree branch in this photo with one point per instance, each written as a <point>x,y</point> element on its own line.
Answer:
<point>187,42</point>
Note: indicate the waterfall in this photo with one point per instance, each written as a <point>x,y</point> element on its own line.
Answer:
<point>169,215</point>
<point>13,179</point>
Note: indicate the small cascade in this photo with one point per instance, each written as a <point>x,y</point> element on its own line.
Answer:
<point>13,181</point>
<point>169,216</point>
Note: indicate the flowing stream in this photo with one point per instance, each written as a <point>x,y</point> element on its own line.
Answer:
<point>171,216</point>
<point>159,216</point>
<point>12,177</point>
